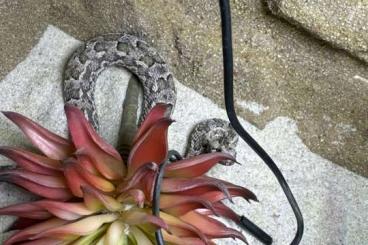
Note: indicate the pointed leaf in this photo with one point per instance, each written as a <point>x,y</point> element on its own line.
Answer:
<point>155,114</point>
<point>115,233</point>
<point>45,241</point>
<point>94,180</point>
<point>86,162</point>
<point>25,210</point>
<point>91,201</point>
<point>137,177</point>
<point>151,147</point>
<point>235,191</point>
<point>174,185</point>
<point>73,178</point>
<point>196,166</point>
<point>108,201</point>
<point>49,143</point>
<point>22,223</point>
<point>64,210</point>
<point>135,196</point>
<point>173,221</point>
<point>78,228</point>
<point>140,237</point>
<point>105,158</point>
<point>41,179</point>
<point>61,194</point>
<point>222,210</point>
<point>34,229</point>
<point>211,227</point>
<point>87,240</point>
<point>172,239</point>
<point>179,205</point>
<point>137,217</point>
<point>238,190</point>
<point>30,161</point>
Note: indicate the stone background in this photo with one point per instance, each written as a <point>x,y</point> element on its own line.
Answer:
<point>306,60</point>
<point>333,200</point>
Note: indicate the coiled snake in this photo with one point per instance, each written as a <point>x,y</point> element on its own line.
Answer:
<point>132,53</point>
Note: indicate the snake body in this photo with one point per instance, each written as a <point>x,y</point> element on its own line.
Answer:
<point>132,53</point>
<point>126,51</point>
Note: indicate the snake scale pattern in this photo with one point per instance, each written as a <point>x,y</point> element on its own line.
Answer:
<point>132,53</point>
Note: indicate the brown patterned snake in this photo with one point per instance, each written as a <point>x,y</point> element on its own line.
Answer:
<point>132,53</point>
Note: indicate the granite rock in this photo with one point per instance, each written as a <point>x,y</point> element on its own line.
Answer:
<point>343,23</point>
<point>333,200</point>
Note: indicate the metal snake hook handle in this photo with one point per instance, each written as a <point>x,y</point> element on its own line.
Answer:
<point>229,104</point>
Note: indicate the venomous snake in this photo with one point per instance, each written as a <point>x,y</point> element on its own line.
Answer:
<point>134,54</point>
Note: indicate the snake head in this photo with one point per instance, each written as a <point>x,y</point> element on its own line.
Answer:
<point>222,138</point>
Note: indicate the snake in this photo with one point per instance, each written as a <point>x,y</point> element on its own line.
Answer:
<point>157,83</point>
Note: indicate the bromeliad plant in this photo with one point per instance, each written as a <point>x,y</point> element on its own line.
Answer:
<point>89,196</point>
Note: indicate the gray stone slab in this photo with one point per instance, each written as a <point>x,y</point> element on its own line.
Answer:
<point>333,200</point>
<point>343,23</point>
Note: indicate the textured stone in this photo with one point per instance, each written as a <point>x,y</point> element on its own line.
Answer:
<point>277,66</point>
<point>323,189</point>
<point>343,23</point>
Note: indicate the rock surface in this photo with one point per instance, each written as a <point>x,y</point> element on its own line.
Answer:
<point>343,23</point>
<point>333,200</point>
<point>277,65</point>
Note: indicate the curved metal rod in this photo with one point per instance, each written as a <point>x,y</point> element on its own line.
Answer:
<point>229,104</point>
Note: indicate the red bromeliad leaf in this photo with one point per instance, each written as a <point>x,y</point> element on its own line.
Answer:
<point>33,230</point>
<point>172,239</point>
<point>30,161</point>
<point>43,208</point>
<point>78,228</point>
<point>176,224</point>
<point>94,180</point>
<point>222,210</point>
<point>114,233</point>
<point>45,241</point>
<point>73,178</point>
<point>242,191</point>
<point>105,158</point>
<point>140,237</point>
<point>22,223</point>
<point>148,185</point>
<point>235,191</point>
<point>178,205</point>
<point>107,201</point>
<point>49,143</point>
<point>91,201</point>
<point>211,227</point>
<point>180,185</point>
<point>25,210</point>
<point>61,194</point>
<point>41,179</point>
<point>196,166</point>
<point>151,147</point>
<point>64,210</point>
<point>77,119</point>
<point>140,216</point>
<point>105,198</point>
<point>156,113</point>
<point>135,196</point>
<point>86,162</point>
<point>138,176</point>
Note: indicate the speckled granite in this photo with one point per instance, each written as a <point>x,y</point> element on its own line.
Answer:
<point>343,23</point>
<point>333,200</point>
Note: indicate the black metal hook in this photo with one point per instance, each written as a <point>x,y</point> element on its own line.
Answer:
<point>229,104</point>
